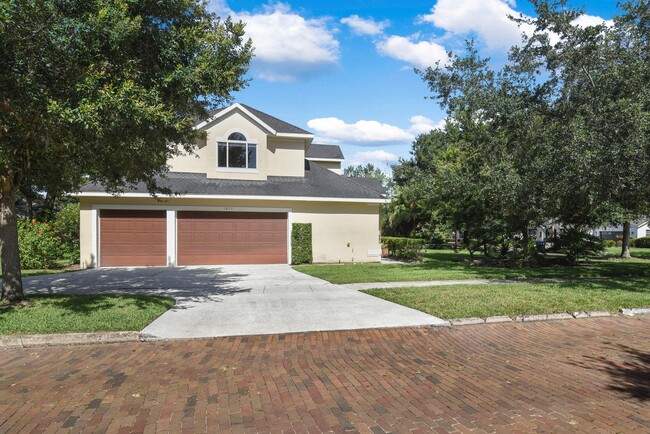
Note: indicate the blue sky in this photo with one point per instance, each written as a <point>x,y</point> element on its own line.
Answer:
<point>344,70</point>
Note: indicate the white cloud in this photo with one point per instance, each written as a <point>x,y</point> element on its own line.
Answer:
<point>487,19</point>
<point>378,158</point>
<point>421,54</point>
<point>591,20</point>
<point>370,133</point>
<point>364,26</point>
<point>422,124</point>
<point>288,46</point>
<point>361,132</point>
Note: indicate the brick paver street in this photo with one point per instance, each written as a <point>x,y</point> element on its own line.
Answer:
<point>590,375</point>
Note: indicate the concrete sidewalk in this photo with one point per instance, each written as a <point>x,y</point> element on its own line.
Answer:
<point>239,300</point>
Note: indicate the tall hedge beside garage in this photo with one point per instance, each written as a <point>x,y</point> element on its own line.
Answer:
<point>301,252</point>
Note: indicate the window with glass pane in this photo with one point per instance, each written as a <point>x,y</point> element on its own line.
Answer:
<point>222,154</point>
<point>236,153</point>
<point>252,156</point>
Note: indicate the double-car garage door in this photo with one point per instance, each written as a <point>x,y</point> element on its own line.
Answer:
<point>139,238</point>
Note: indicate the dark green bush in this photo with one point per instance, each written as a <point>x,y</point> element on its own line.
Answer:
<point>38,244</point>
<point>609,243</point>
<point>576,244</point>
<point>404,248</point>
<point>66,226</point>
<point>644,242</point>
<point>301,251</point>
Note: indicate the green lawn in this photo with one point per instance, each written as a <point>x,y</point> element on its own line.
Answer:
<point>448,265</point>
<point>81,313</point>
<point>463,301</point>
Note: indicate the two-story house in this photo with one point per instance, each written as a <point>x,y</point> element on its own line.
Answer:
<point>250,178</point>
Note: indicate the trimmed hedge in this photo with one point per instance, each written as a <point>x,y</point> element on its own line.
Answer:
<point>405,248</point>
<point>301,251</point>
<point>642,242</point>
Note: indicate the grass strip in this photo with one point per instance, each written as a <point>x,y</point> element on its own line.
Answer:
<point>464,301</point>
<point>81,313</point>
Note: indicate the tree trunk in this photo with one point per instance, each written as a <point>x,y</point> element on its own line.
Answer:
<point>12,282</point>
<point>625,251</point>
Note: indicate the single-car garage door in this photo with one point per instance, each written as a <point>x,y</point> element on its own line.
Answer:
<point>132,238</point>
<point>214,238</point>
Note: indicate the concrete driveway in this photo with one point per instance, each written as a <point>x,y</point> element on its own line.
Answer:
<point>238,300</point>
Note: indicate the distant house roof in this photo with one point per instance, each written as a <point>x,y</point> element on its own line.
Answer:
<point>278,125</point>
<point>317,183</point>
<point>327,152</point>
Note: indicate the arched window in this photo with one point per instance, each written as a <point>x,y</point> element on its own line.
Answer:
<point>237,153</point>
<point>237,136</point>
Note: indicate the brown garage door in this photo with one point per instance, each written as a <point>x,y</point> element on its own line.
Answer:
<point>213,238</point>
<point>132,238</point>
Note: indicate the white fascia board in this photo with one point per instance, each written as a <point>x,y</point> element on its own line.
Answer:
<point>296,135</point>
<point>327,160</point>
<point>232,197</point>
<point>234,107</point>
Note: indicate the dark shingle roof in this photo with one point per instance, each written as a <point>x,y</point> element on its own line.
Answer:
<point>318,182</point>
<point>316,151</point>
<point>278,125</point>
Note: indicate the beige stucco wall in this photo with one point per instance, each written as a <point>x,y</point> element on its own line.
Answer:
<point>286,157</point>
<point>342,232</point>
<point>334,166</point>
<point>275,156</point>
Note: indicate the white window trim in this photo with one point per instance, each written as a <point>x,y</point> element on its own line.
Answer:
<point>241,142</point>
<point>171,219</point>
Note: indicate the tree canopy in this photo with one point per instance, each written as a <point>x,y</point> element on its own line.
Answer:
<point>104,91</point>
<point>558,134</point>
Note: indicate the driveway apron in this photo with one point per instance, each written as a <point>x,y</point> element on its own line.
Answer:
<point>238,300</point>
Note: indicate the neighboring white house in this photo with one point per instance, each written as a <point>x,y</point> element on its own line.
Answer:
<point>638,229</point>
<point>251,178</point>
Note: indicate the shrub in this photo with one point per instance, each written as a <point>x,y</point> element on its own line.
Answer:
<point>576,244</point>
<point>609,243</point>
<point>642,242</point>
<point>38,244</point>
<point>301,250</point>
<point>66,226</point>
<point>405,248</point>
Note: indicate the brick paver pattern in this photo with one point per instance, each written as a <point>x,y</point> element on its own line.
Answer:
<point>590,375</point>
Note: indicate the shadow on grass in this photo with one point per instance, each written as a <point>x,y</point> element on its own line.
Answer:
<point>630,376</point>
<point>636,285</point>
<point>606,266</point>
<point>87,304</point>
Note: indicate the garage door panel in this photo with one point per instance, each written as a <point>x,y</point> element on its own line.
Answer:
<point>132,238</point>
<point>212,238</point>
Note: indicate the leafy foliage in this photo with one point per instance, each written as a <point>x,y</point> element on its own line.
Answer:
<point>404,248</point>
<point>560,134</point>
<point>301,243</point>
<point>576,244</point>
<point>642,242</point>
<point>66,226</point>
<point>40,246</point>
<point>104,92</point>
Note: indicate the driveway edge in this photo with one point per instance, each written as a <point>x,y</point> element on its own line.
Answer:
<point>25,341</point>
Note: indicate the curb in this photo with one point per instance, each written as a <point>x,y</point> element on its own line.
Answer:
<point>25,341</point>
<point>548,317</point>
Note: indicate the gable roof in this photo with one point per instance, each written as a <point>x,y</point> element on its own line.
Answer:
<point>277,125</point>
<point>326,152</point>
<point>318,183</point>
